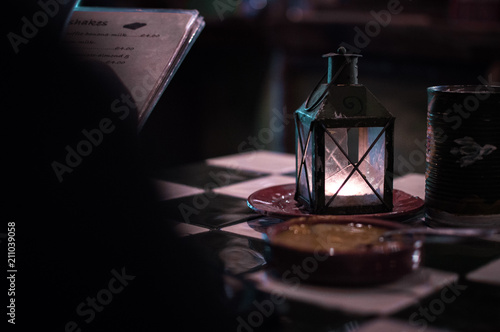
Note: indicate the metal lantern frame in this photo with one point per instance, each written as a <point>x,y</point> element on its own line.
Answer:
<point>351,109</point>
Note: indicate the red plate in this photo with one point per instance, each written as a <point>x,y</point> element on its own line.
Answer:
<point>279,202</point>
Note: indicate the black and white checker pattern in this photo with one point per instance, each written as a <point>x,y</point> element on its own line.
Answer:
<point>207,203</point>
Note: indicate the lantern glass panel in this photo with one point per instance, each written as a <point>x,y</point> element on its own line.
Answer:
<point>334,159</point>
<point>374,164</point>
<point>349,153</point>
<point>305,176</point>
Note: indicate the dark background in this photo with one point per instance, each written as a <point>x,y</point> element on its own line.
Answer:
<point>256,56</point>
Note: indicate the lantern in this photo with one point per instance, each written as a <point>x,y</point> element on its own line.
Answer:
<point>344,145</point>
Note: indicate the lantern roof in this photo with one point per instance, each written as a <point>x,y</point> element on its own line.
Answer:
<point>342,98</point>
<point>352,105</point>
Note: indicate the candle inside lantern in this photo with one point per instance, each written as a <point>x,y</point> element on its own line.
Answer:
<point>355,191</point>
<point>349,189</point>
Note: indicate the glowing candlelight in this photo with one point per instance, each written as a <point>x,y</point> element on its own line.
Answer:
<point>353,187</point>
<point>355,191</point>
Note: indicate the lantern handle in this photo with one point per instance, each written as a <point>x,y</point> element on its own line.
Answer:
<point>308,108</point>
<point>349,77</point>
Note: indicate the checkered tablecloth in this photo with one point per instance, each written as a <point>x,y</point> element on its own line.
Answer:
<point>207,203</point>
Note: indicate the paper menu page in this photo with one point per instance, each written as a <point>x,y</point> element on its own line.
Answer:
<point>143,47</point>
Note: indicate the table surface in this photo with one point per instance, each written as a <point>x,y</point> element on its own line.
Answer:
<point>457,287</point>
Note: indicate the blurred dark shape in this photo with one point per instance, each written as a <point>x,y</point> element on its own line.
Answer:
<point>474,11</point>
<point>79,228</point>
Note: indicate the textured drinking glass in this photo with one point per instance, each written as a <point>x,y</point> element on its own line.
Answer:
<point>462,180</point>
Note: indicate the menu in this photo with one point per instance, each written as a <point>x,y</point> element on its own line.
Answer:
<point>143,46</point>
